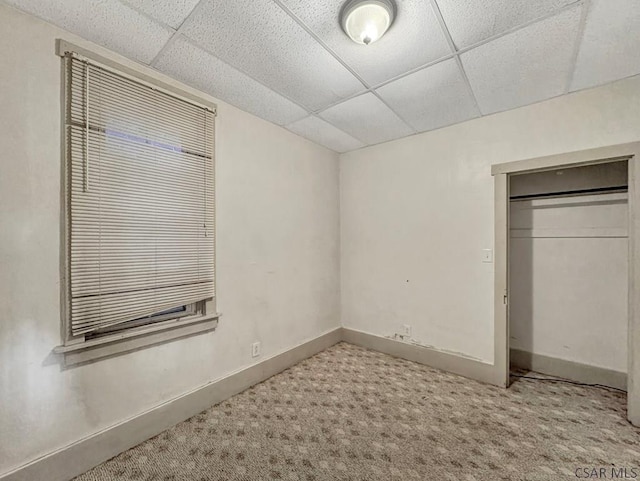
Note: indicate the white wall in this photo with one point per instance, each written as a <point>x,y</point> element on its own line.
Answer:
<point>417,212</point>
<point>277,255</point>
<point>569,273</point>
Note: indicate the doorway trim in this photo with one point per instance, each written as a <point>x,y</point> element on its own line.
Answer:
<point>501,174</point>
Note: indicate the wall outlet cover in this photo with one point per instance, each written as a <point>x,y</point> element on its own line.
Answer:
<point>255,349</point>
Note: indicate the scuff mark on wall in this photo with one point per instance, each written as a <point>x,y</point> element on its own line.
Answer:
<point>415,342</point>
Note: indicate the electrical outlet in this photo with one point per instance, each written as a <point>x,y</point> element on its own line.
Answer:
<point>255,349</point>
<point>406,330</point>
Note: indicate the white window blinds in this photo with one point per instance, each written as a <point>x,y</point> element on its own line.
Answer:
<point>140,218</point>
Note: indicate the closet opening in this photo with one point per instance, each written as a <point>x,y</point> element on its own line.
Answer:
<point>567,268</point>
<point>568,273</point>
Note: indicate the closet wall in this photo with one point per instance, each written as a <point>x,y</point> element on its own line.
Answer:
<point>568,265</point>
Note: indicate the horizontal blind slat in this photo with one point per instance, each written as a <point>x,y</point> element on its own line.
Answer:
<point>141,184</point>
<point>124,105</point>
<point>123,307</point>
<point>169,101</point>
<point>115,301</point>
<point>108,286</point>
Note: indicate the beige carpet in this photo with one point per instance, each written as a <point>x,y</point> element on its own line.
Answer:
<point>353,414</point>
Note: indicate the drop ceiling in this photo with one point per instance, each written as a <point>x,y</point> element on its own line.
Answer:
<point>442,62</point>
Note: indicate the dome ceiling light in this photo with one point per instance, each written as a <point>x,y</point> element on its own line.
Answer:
<point>365,21</point>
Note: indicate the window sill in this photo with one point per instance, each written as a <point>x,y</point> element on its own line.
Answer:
<point>136,339</point>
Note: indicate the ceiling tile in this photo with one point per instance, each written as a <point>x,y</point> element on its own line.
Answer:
<point>171,12</point>
<point>610,48</point>
<point>526,66</point>
<point>203,71</point>
<point>108,23</point>
<point>471,21</point>
<point>432,97</point>
<point>323,133</point>
<point>368,119</point>
<point>414,39</point>
<point>260,39</point>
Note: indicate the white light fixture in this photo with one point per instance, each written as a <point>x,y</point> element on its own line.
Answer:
<point>365,21</point>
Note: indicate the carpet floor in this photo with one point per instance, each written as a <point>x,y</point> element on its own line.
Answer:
<point>353,414</point>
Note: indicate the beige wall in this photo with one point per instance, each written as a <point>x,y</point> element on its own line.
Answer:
<point>277,255</point>
<point>416,214</point>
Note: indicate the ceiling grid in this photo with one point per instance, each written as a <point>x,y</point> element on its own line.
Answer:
<point>441,62</point>
<point>577,42</point>
<point>456,55</point>
<point>328,49</point>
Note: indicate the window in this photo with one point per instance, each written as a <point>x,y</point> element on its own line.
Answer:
<point>139,210</point>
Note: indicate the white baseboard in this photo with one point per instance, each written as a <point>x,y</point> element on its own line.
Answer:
<point>573,371</point>
<point>464,366</point>
<point>75,459</point>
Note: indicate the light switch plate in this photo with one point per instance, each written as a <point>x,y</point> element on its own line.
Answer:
<point>487,255</point>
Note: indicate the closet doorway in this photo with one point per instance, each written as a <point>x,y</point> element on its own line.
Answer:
<point>568,273</point>
<point>566,225</point>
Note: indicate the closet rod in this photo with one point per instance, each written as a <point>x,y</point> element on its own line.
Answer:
<point>598,190</point>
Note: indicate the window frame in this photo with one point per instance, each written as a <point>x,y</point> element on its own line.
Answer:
<point>199,317</point>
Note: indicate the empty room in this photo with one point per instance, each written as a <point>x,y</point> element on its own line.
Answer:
<point>308,240</point>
